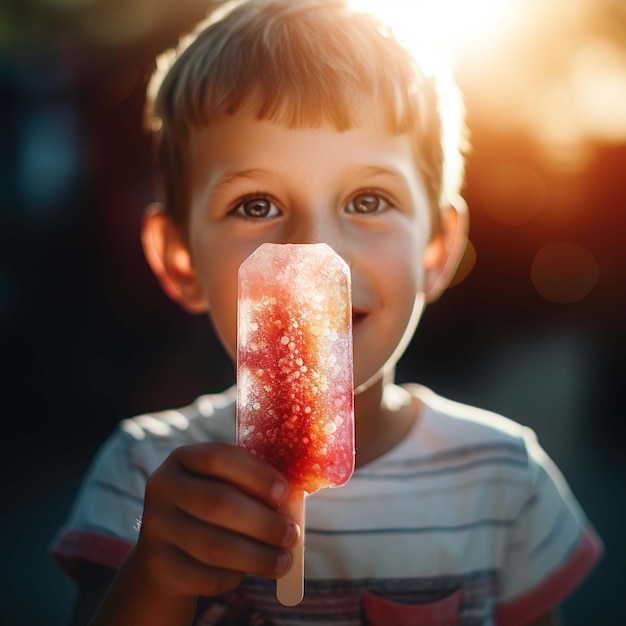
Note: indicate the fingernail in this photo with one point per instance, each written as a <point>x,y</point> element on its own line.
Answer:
<point>282,563</point>
<point>290,536</point>
<point>278,491</point>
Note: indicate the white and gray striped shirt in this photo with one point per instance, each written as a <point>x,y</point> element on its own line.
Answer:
<point>466,521</point>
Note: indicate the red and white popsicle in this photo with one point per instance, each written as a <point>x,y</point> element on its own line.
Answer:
<point>295,406</point>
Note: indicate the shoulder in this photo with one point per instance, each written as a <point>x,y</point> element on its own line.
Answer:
<point>139,445</point>
<point>454,448</point>
<point>469,438</point>
<point>447,424</point>
<point>455,428</point>
<point>210,417</point>
<point>142,443</point>
<point>551,544</point>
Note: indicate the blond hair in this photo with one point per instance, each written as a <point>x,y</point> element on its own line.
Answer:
<point>301,63</point>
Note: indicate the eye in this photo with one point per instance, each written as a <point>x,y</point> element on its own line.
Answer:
<point>367,203</point>
<point>257,207</point>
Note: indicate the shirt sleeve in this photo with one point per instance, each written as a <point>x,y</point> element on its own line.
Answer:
<point>552,546</point>
<point>102,526</point>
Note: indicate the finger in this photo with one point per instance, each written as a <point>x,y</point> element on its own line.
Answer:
<point>218,547</point>
<point>180,573</point>
<point>221,504</point>
<point>234,465</point>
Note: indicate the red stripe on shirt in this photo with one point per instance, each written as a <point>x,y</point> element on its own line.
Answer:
<point>75,546</point>
<point>555,588</point>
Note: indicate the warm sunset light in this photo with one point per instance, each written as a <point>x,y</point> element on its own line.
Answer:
<point>555,71</point>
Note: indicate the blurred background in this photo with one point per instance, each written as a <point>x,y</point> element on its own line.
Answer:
<point>532,329</point>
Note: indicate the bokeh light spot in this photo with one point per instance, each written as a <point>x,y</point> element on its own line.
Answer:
<point>121,23</point>
<point>48,157</point>
<point>564,272</point>
<point>513,194</point>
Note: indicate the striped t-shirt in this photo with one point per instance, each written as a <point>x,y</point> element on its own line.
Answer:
<point>466,521</point>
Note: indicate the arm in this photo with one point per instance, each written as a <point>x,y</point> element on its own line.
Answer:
<point>97,580</point>
<point>551,546</point>
<point>210,517</point>
<point>134,598</point>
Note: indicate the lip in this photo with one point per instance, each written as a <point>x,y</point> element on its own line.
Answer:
<point>358,317</point>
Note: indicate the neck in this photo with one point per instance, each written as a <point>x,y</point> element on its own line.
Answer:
<point>384,414</point>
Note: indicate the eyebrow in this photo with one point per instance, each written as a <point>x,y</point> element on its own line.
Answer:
<point>393,176</point>
<point>375,170</point>
<point>252,174</point>
<point>258,174</point>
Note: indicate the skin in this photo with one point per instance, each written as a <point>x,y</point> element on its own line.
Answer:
<point>212,511</point>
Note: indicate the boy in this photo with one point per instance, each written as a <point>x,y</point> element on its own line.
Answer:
<point>300,121</point>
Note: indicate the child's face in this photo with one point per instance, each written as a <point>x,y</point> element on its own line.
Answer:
<point>256,181</point>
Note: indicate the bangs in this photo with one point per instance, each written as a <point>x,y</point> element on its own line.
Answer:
<point>294,64</point>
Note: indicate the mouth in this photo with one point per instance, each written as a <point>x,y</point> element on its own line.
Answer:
<point>357,317</point>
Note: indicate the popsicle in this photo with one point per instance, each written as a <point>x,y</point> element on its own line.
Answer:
<point>295,406</point>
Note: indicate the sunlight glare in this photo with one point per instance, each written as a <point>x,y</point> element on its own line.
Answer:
<point>442,25</point>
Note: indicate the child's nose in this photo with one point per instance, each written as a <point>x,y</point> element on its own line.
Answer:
<point>326,229</point>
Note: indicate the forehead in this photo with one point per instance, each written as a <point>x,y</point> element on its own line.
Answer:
<point>240,142</point>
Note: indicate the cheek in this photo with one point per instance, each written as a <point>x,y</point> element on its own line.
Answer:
<point>218,275</point>
<point>403,270</point>
<point>223,311</point>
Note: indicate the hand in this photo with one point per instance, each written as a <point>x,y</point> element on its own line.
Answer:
<point>210,516</point>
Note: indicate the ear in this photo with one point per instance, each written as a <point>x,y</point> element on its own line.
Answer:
<point>168,255</point>
<point>445,250</point>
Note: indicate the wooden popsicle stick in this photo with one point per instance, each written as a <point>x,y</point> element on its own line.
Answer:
<point>290,588</point>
